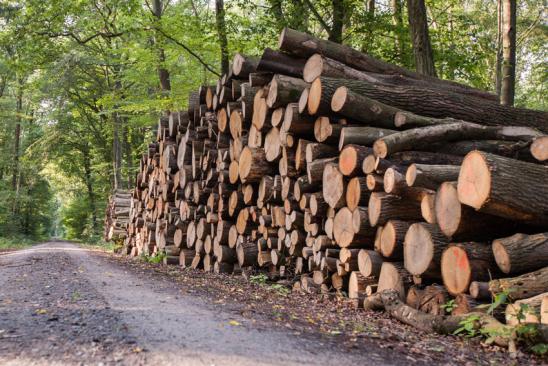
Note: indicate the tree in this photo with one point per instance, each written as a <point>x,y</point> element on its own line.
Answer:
<point>221,33</point>
<point>508,74</point>
<point>418,27</point>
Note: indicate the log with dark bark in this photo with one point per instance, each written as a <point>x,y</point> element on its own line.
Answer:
<point>283,90</point>
<point>523,286</point>
<point>424,137</point>
<point>520,253</point>
<point>429,103</point>
<point>504,187</point>
<point>383,207</point>
<point>430,176</point>
<point>281,63</point>
<point>305,45</point>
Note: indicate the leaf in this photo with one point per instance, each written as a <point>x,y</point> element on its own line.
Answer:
<point>41,311</point>
<point>234,323</point>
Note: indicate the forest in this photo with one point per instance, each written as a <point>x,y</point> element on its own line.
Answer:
<point>82,83</point>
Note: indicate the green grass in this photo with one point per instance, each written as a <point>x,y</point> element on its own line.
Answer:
<point>16,242</point>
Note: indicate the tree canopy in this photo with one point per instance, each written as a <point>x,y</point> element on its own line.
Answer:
<point>83,82</point>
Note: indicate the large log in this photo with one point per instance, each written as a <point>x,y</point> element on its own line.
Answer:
<point>424,137</point>
<point>429,103</point>
<point>306,45</point>
<point>460,222</point>
<point>504,187</point>
<point>521,253</point>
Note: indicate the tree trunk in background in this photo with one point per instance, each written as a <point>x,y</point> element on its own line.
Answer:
<point>128,154</point>
<point>89,187</point>
<point>163,74</point>
<point>498,64</point>
<point>338,21</point>
<point>397,20</point>
<point>508,81</point>
<point>17,137</point>
<point>221,33</point>
<point>370,7</point>
<point>117,151</point>
<point>418,27</point>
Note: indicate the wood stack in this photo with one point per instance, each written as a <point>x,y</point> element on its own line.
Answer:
<point>117,215</point>
<point>322,165</point>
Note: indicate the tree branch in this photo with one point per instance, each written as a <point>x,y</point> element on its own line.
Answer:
<point>196,56</point>
<point>318,17</point>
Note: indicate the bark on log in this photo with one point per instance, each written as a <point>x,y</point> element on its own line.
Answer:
<point>520,253</point>
<point>522,287</point>
<point>490,183</point>
<point>525,310</point>
<point>393,276</point>
<point>423,247</point>
<point>364,136</point>
<point>383,207</point>
<point>430,176</point>
<point>284,89</point>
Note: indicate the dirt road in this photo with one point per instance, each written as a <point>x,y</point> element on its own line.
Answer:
<point>64,305</point>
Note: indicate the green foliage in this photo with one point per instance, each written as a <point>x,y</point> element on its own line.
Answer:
<point>81,78</point>
<point>449,306</point>
<point>157,258</point>
<point>469,326</point>
<point>259,279</point>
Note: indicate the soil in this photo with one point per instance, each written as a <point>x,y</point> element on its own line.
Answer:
<point>61,304</point>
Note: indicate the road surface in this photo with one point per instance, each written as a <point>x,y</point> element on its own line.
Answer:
<point>61,304</point>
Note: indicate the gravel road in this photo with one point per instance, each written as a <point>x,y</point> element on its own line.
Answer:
<point>64,305</point>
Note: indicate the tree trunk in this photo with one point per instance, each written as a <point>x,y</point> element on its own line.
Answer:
<point>508,81</point>
<point>418,28</point>
<point>336,31</point>
<point>89,186</point>
<point>397,21</point>
<point>221,33</point>
<point>163,74</point>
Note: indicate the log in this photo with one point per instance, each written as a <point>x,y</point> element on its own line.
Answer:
<point>521,253</point>
<point>359,135</point>
<point>348,228</point>
<point>369,263</point>
<point>422,138</point>
<point>392,238</point>
<point>427,208</point>
<point>284,89</point>
<point>383,207</point>
<point>428,102</point>
<point>423,247</point>
<point>466,262</point>
<point>252,165</point>
<point>357,284</point>
<point>430,176</point>
<point>281,63</point>
<point>393,276</point>
<point>523,286</point>
<point>242,65</point>
<point>429,300</point>
<point>357,193</point>
<point>525,310</point>
<point>461,222</point>
<point>539,148</point>
<point>351,158</point>
<point>489,183</point>
<point>306,45</point>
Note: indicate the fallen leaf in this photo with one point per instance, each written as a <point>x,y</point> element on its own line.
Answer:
<point>41,311</point>
<point>234,322</point>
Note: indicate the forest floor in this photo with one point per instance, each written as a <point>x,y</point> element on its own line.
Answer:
<point>63,304</point>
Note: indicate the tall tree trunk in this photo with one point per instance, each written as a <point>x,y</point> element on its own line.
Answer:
<point>370,7</point>
<point>128,154</point>
<point>17,137</point>
<point>89,187</point>
<point>397,20</point>
<point>117,151</point>
<point>508,82</point>
<point>221,33</point>
<point>498,64</point>
<point>338,21</point>
<point>418,27</point>
<point>163,74</point>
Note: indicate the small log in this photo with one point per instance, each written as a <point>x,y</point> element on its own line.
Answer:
<point>393,276</point>
<point>383,207</point>
<point>369,263</point>
<point>525,310</point>
<point>539,148</point>
<point>392,238</point>
<point>523,286</point>
<point>252,165</point>
<point>351,158</point>
<point>284,89</point>
<point>333,186</point>
<point>430,176</point>
<point>357,284</point>
<point>357,193</point>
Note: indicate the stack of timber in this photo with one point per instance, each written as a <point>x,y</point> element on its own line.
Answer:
<point>321,165</point>
<point>117,215</point>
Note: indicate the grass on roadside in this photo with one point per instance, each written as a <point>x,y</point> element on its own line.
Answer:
<point>16,242</point>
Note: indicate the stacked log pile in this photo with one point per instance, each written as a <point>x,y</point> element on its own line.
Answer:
<point>322,165</point>
<point>117,215</point>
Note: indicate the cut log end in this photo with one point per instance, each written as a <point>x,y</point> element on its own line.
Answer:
<point>447,208</point>
<point>339,98</point>
<point>313,68</point>
<point>539,148</point>
<point>314,96</point>
<point>380,149</point>
<point>474,182</point>
<point>455,270</point>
